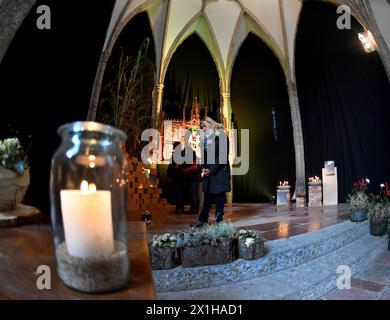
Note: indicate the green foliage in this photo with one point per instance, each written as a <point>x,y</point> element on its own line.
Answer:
<point>12,155</point>
<point>125,104</point>
<point>211,234</point>
<point>379,212</point>
<point>358,201</point>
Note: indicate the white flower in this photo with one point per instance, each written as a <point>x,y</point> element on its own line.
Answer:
<point>172,238</point>
<point>382,185</point>
<point>368,180</point>
<point>249,241</point>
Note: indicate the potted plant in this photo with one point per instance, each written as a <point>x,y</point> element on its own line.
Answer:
<point>250,244</point>
<point>379,212</point>
<point>209,245</point>
<point>378,215</point>
<point>358,201</point>
<point>163,251</point>
<point>14,174</point>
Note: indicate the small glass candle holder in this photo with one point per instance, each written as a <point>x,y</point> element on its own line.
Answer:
<point>89,207</point>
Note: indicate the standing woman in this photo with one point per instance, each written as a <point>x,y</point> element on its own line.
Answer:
<point>215,170</point>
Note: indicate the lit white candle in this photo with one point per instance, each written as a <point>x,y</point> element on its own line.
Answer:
<point>87,219</point>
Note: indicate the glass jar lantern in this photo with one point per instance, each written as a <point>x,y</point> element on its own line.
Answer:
<point>89,207</point>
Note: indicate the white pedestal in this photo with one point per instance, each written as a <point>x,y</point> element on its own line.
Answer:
<point>283,197</point>
<point>329,185</point>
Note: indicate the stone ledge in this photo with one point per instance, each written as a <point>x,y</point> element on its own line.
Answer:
<point>282,254</point>
<point>308,281</point>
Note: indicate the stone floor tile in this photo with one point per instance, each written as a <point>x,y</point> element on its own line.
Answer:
<point>385,295</point>
<point>384,258</point>
<point>367,285</point>
<point>351,294</point>
<point>376,272</point>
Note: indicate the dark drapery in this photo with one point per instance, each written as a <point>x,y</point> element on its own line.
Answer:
<point>46,79</point>
<point>344,97</point>
<point>191,73</point>
<point>260,103</point>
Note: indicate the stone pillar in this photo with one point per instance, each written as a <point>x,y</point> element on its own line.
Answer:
<point>12,14</point>
<point>97,85</point>
<point>226,109</point>
<point>226,113</point>
<point>158,102</point>
<point>298,137</point>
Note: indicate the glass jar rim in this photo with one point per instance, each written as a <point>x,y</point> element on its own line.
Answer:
<point>91,126</point>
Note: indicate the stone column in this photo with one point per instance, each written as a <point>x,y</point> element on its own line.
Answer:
<point>12,14</point>
<point>226,109</point>
<point>97,85</point>
<point>226,113</point>
<point>298,137</point>
<point>158,102</point>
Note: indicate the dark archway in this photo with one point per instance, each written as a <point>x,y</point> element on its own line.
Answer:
<point>344,97</point>
<point>46,79</point>
<point>191,74</point>
<point>260,103</point>
<point>130,39</point>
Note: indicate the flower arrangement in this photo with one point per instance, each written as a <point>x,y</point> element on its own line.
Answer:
<point>379,212</point>
<point>211,234</point>
<point>12,156</point>
<point>249,236</point>
<point>360,185</point>
<point>359,200</point>
<point>379,209</point>
<point>167,240</point>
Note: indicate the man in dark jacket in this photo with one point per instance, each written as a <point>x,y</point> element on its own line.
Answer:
<point>215,171</point>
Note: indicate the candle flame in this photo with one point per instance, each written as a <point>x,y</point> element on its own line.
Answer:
<point>92,188</point>
<point>86,188</point>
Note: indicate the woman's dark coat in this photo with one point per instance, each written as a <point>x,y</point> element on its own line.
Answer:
<point>219,179</point>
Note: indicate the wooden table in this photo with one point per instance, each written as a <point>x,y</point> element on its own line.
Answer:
<point>23,249</point>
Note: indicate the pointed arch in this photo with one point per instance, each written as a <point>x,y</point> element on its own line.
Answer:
<point>194,48</point>
<point>199,26</point>
<point>249,26</point>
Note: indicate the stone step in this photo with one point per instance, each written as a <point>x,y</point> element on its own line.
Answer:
<point>281,254</point>
<point>308,281</point>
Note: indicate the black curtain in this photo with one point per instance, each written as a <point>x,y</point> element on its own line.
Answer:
<point>260,103</point>
<point>46,79</point>
<point>344,97</point>
<point>191,74</point>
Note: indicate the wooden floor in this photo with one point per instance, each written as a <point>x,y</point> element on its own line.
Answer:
<point>273,222</point>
